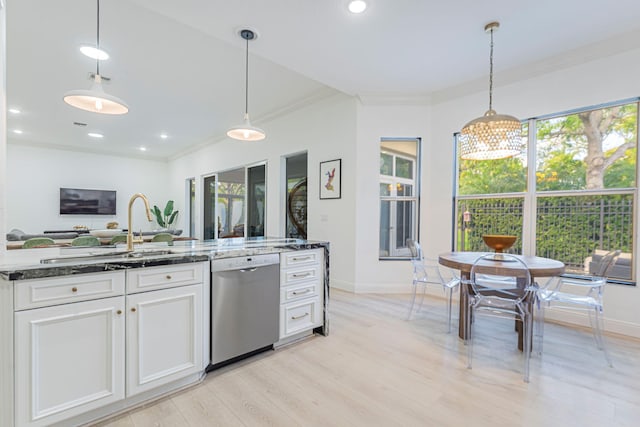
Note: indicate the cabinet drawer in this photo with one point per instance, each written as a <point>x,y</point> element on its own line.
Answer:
<point>300,316</point>
<point>61,290</point>
<point>299,275</point>
<point>150,278</point>
<point>298,258</point>
<point>298,292</point>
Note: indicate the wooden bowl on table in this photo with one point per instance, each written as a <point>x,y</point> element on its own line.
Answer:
<point>499,242</point>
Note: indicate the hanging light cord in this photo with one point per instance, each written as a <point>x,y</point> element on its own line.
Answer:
<point>491,74</point>
<point>246,79</point>
<point>98,37</point>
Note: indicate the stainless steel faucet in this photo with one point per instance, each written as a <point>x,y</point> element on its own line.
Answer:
<point>130,239</point>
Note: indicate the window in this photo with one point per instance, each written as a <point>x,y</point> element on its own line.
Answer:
<point>399,169</point>
<point>234,203</point>
<point>296,191</point>
<point>577,197</point>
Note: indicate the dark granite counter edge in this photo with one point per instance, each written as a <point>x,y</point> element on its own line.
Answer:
<point>114,265</point>
<point>97,267</point>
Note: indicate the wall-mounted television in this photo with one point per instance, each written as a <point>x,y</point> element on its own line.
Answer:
<point>77,201</point>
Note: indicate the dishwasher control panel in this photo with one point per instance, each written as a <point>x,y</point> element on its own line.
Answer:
<point>242,262</point>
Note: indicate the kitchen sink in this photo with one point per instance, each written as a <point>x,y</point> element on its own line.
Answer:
<point>106,256</point>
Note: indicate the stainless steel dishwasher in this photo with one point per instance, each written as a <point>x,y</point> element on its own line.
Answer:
<point>245,304</point>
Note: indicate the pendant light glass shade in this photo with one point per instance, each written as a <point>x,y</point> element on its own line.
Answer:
<point>246,131</point>
<point>492,136</point>
<point>96,99</point>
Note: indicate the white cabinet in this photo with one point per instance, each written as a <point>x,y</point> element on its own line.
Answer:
<point>164,336</point>
<point>301,292</point>
<point>84,342</point>
<point>69,358</point>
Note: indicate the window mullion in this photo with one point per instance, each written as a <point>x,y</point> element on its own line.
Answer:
<point>529,213</point>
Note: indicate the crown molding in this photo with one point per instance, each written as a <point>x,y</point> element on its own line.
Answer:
<point>613,46</point>
<point>313,98</point>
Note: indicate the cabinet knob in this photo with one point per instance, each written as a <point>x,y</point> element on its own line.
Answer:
<point>133,309</point>
<point>74,289</point>
<point>119,312</point>
<point>168,276</point>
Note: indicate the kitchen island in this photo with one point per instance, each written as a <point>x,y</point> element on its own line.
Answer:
<point>89,332</point>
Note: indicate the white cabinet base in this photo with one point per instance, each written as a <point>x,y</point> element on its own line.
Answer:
<point>69,360</point>
<point>164,336</point>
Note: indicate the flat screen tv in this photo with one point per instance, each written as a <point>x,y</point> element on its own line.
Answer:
<point>76,201</point>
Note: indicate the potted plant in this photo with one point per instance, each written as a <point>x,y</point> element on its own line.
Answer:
<point>165,218</point>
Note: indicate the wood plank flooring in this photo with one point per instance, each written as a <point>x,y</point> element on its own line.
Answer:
<point>376,369</point>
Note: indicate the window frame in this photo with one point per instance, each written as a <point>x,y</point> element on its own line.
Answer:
<point>532,195</point>
<point>394,180</point>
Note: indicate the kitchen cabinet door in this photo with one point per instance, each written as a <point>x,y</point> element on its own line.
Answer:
<point>69,359</point>
<point>164,337</point>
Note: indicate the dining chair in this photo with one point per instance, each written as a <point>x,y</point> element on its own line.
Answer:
<point>428,271</point>
<point>163,237</point>
<point>583,295</point>
<point>501,287</point>
<point>118,238</point>
<point>37,241</point>
<point>85,241</point>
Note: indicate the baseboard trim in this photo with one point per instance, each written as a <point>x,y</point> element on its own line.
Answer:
<point>582,319</point>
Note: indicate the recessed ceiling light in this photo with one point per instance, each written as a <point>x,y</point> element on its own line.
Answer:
<point>14,111</point>
<point>18,131</point>
<point>94,53</point>
<point>95,135</point>
<point>357,6</point>
<point>164,136</point>
<point>143,148</point>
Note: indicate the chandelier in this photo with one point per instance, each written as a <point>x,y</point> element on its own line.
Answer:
<point>492,136</point>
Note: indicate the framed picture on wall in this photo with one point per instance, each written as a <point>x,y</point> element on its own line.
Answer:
<point>331,179</point>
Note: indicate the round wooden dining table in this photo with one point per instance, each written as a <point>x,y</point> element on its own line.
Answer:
<point>463,261</point>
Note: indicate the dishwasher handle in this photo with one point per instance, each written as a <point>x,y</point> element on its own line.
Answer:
<point>248,270</point>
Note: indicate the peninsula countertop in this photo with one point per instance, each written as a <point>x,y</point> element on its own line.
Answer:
<point>62,261</point>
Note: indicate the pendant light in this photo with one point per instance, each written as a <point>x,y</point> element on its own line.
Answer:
<point>245,131</point>
<point>492,136</point>
<point>95,99</point>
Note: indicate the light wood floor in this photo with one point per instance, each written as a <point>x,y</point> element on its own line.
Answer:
<point>376,369</point>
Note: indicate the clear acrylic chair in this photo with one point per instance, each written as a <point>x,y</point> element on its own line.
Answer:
<point>584,295</point>
<point>429,272</point>
<point>501,287</point>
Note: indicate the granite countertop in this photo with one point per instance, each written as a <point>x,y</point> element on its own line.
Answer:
<point>51,262</point>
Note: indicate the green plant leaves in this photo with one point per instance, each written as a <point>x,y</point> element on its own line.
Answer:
<point>168,209</point>
<point>165,217</point>
<point>158,214</point>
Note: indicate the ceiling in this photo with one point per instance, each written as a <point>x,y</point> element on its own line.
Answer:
<point>180,64</point>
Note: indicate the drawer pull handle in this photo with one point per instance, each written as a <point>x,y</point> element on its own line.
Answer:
<point>299,317</point>
<point>168,277</point>
<point>133,309</point>
<point>74,289</point>
<point>306,291</point>
<point>298,276</point>
<point>119,312</point>
<point>302,258</point>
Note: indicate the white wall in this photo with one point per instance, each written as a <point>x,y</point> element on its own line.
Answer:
<point>36,174</point>
<point>374,123</point>
<point>3,124</point>
<point>327,131</point>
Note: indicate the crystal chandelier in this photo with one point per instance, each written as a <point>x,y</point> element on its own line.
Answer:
<point>492,136</point>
